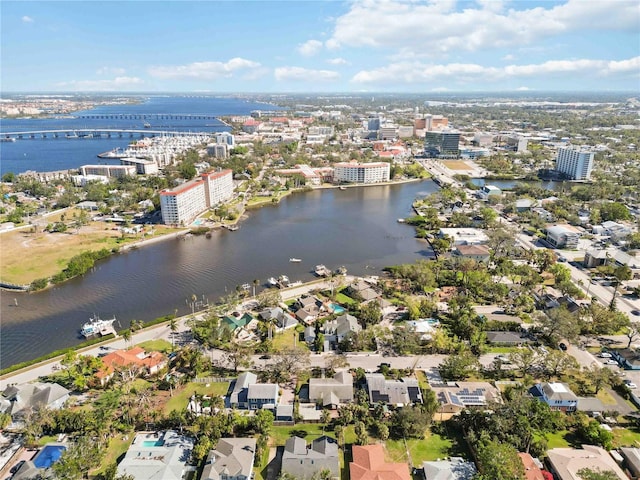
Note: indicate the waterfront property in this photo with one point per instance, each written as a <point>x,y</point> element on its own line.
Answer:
<point>158,456</point>
<point>354,172</point>
<point>180,205</point>
<point>136,359</point>
<point>575,162</point>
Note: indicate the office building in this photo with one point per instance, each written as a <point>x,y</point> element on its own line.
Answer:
<point>574,162</point>
<point>442,144</point>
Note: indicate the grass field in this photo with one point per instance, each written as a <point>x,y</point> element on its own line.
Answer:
<point>26,256</point>
<point>181,397</point>
<point>432,447</point>
<point>455,165</point>
<point>117,447</point>
<point>156,346</point>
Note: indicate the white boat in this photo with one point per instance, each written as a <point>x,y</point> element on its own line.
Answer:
<point>295,260</point>
<point>97,326</point>
<point>283,281</point>
<point>272,281</point>
<point>322,271</point>
<point>341,270</point>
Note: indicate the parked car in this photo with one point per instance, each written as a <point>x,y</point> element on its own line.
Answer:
<point>604,355</point>
<point>16,467</point>
<point>629,384</point>
<point>611,361</point>
<point>563,346</point>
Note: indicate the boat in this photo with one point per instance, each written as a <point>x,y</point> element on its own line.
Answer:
<point>322,271</point>
<point>401,220</point>
<point>272,281</point>
<point>231,228</point>
<point>295,260</point>
<point>97,326</point>
<point>341,270</point>
<point>343,188</point>
<point>246,286</point>
<point>7,139</point>
<point>147,125</point>
<point>283,281</point>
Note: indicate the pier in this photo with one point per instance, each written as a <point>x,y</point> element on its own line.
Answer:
<point>80,133</point>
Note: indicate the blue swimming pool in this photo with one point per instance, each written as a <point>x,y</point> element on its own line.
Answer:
<point>337,309</point>
<point>49,455</point>
<point>152,443</point>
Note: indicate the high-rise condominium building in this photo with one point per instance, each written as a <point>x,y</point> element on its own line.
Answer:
<point>575,162</point>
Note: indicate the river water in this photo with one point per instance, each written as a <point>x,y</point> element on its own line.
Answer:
<point>356,228</point>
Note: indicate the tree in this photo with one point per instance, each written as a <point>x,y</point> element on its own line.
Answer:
<point>559,323</point>
<point>237,356</point>
<point>410,421</point>
<point>370,314</point>
<point>621,274</point>
<point>287,364</point>
<point>597,474</point>
<point>498,461</point>
<point>75,462</point>
<point>556,362</point>
<point>525,359</point>
<point>599,377</point>
<point>613,211</point>
<point>632,331</point>
<point>126,336</point>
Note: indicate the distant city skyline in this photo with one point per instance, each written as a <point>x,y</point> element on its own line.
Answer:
<point>320,46</point>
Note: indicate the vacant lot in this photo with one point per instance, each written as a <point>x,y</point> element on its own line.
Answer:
<point>456,165</point>
<point>27,256</point>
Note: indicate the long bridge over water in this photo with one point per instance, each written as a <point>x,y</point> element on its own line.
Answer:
<point>148,116</point>
<point>73,133</point>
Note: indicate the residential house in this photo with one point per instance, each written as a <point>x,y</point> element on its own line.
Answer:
<point>629,358</point>
<point>589,405</point>
<point>238,397</point>
<point>565,463</point>
<point>559,236</point>
<point>39,467</point>
<point>524,204</point>
<point>595,258</point>
<point>232,459</point>
<point>632,460</point>
<point>262,395</point>
<point>454,468</point>
<point>303,462</point>
<point>331,392</point>
<point>362,290</point>
<point>557,395</point>
<point>136,358</point>
<point>464,236</point>
<point>310,335</point>
<point>335,331</point>
<point>479,253</point>
<point>507,338</point>
<point>368,464</point>
<point>532,470</point>
<point>454,397</point>
<point>158,456</point>
<point>234,322</point>
<point>405,391</point>
<point>279,317</point>
<point>284,413</point>
<point>489,191</point>
<point>17,400</point>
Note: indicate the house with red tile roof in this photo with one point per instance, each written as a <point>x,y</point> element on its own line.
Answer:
<point>531,470</point>
<point>148,363</point>
<point>368,464</point>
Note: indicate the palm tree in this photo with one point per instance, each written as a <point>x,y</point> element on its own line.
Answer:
<point>173,326</point>
<point>126,336</point>
<point>255,282</point>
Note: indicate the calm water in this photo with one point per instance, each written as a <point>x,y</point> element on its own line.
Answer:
<point>356,227</point>
<point>52,154</point>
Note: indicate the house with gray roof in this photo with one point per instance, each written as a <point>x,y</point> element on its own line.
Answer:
<point>331,392</point>
<point>262,395</point>
<point>158,456</point>
<point>232,459</point>
<point>632,460</point>
<point>455,468</point>
<point>335,331</point>
<point>454,397</point>
<point>565,463</point>
<point>16,400</point>
<point>278,316</point>
<point>557,395</point>
<point>303,462</point>
<point>238,397</point>
<point>405,391</point>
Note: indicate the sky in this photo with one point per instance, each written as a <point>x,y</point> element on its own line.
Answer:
<point>319,46</point>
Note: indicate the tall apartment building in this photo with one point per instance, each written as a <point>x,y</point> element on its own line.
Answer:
<point>225,138</point>
<point>445,143</point>
<point>353,172</point>
<point>180,205</point>
<point>575,162</point>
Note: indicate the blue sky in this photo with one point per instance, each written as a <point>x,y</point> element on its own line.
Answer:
<point>320,46</point>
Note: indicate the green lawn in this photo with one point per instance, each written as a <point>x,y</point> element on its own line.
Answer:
<point>434,446</point>
<point>345,301</point>
<point>117,447</point>
<point>181,397</point>
<point>288,339</point>
<point>156,346</point>
<point>422,379</point>
<point>502,349</point>
<point>606,398</point>
<point>561,439</point>
<point>626,437</point>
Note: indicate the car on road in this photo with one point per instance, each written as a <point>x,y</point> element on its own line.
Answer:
<point>611,361</point>
<point>16,467</point>
<point>629,384</point>
<point>604,355</point>
<point>563,346</point>
<point>635,312</point>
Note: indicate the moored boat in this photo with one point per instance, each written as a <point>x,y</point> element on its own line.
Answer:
<point>322,271</point>
<point>97,326</point>
<point>272,281</point>
<point>295,260</point>
<point>341,270</point>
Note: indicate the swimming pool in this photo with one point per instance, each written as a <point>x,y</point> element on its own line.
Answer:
<point>337,309</point>
<point>49,455</point>
<point>152,443</point>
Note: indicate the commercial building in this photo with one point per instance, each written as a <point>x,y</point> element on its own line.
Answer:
<point>353,172</point>
<point>111,171</point>
<point>443,144</point>
<point>575,162</point>
<point>180,205</point>
<point>561,237</point>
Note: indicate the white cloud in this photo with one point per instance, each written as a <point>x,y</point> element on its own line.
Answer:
<point>305,74</point>
<point>116,84</point>
<point>27,19</point>
<point>110,71</point>
<point>509,57</point>
<point>310,48</point>
<point>436,27</point>
<point>204,70</point>
<point>338,61</point>
<point>523,89</point>
<point>419,72</point>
